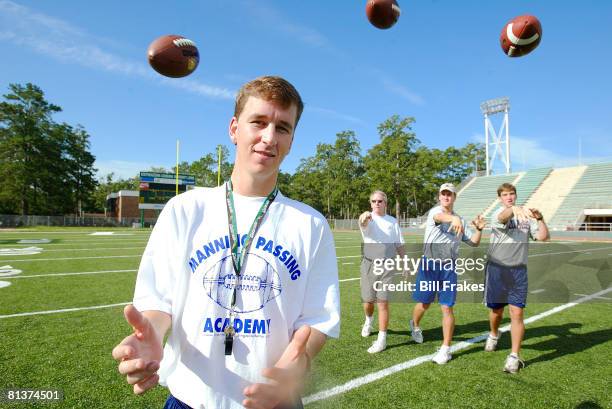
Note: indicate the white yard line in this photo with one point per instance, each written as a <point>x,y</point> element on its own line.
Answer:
<point>73,274</point>
<point>72,243</point>
<point>374,376</point>
<point>94,249</point>
<point>95,307</point>
<point>66,258</point>
<point>540,290</point>
<point>349,279</point>
<point>599,298</point>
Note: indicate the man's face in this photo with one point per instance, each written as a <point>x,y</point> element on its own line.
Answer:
<point>507,198</point>
<point>263,135</point>
<point>446,198</point>
<point>379,206</point>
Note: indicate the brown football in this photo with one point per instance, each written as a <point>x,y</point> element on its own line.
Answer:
<point>520,36</point>
<point>382,14</point>
<point>173,56</point>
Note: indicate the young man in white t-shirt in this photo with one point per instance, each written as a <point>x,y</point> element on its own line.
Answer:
<point>244,278</point>
<point>444,231</point>
<point>382,238</point>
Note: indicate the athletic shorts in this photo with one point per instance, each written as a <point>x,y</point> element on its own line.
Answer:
<point>368,280</point>
<point>174,403</point>
<point>505,285</point>
<point>435,279</point>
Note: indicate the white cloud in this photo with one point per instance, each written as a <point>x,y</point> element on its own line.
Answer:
<point>273,18</point>
<point>67,43</point>
<point>528,153</point>
<point>123,169</point>
<point>333,114</point>
<point>402,91</point>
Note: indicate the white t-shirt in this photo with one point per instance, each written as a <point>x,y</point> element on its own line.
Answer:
<point>440,242</point>
<point>290,279</point>
<point>381,230</point>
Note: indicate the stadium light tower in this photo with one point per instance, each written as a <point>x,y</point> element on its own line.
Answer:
<point>499,142</point>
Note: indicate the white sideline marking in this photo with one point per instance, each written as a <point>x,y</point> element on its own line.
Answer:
<point>349,279</point>
<point>82,242</point>
<point>98,249</point>
<point>374,376</point>
<point>95,307</point>
<point>4,284</point>
<point>570,251</point>
<point>75,274</point>
<point>23,314</point>
<point>599,298</point>
<point>348,263</point>
<point>71,258</point>
<point>540,290</point>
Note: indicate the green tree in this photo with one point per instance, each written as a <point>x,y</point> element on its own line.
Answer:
<point>46,167</point>
<point>80,168</point>
<point>387,162</point>
<point>25,122</point>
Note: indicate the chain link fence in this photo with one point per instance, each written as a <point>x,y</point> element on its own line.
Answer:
<point>71,220</point>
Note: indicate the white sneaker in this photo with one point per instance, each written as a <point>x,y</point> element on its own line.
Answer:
<point>416,332</point>
<point>442,356</point>
<point>377,346</point>
<point>366,330</point>
<point>491,344</point>
<point>513,364</point>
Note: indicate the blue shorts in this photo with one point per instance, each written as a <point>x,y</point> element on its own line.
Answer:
<point>435,279</point>
<point>174,403</point>
<point>505,285</point>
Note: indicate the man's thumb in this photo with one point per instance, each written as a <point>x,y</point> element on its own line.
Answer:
<point>300,338</point>
<point>135,319</point>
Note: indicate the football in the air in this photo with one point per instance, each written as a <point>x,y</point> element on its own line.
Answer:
<point>382,14</point>
<point>521,35</point>
<point>173,56</point>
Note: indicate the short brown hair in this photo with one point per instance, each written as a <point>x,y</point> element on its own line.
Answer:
<point>506,187</point>
<point>271,89</point>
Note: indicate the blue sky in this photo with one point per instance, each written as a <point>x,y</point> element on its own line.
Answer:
<point>437,64</point>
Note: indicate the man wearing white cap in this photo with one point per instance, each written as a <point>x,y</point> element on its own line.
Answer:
<point>443,232</point>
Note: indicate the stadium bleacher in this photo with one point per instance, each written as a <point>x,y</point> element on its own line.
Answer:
<point>526,186</point>
<point>479,195</point>
<point>593,190</point>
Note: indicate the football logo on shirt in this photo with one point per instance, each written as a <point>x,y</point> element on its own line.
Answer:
<point>258,284</point>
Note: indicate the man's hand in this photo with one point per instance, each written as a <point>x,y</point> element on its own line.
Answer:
<point>456,226</point>
<point>521,213</point>
<point>479,222</point>
<point>536,214</point>
<point>140,353</point>
<point>365,218</point>
<point>286,377</point>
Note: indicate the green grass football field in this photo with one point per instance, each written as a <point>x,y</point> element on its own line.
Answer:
<point>61,315</point>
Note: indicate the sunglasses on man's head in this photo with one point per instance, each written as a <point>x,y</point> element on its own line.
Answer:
<point>377,201</point>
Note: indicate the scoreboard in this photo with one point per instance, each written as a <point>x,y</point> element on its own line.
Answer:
<point>156,188</point>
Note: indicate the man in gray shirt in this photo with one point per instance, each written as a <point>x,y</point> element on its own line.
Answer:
<point>506,274</point>
<point>444,231</point>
